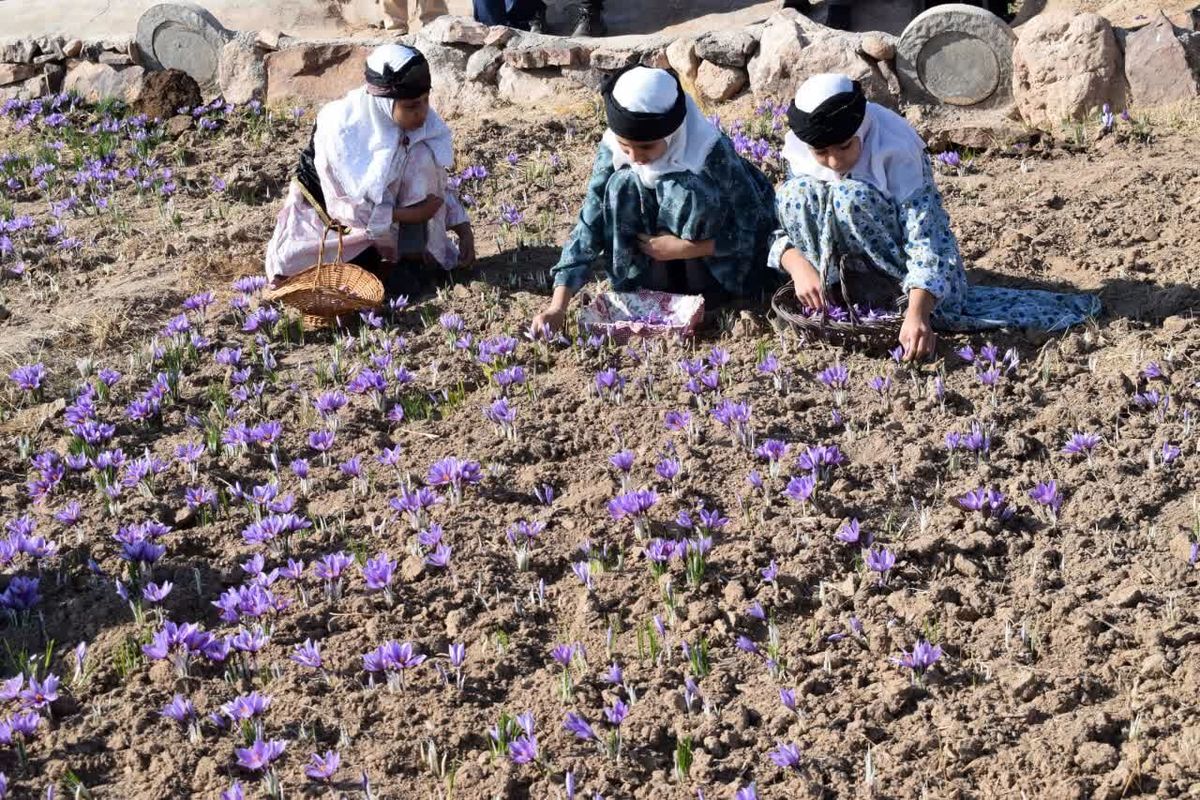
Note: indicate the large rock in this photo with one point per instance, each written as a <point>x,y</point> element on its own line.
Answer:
<point>611,59</point>
<point>182,36</point>
<point>241,72</point>
<point>165,92</point>
<point>1157,66</point>
<point>96,82</point>
<point>719,82</point>
<point>793,48</point>
<point>484,64</point>
<point>681,55</point>
<point>533,51</point>
<point>544,88</point>
<point>956,54</point>
<point>456,30</point>
<point>726,48</point>
<point>1066,66</point>
<point>311,74</point>
<point>19,51</point>
<point>16,73</point>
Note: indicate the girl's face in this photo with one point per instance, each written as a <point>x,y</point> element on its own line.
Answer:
<point>840,158</point>
<point>642,152</point>
<point>411,114</point>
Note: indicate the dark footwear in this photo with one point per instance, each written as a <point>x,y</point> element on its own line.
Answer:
<point>803,6</point>
<point>591,21</point>
<point>538,23</point>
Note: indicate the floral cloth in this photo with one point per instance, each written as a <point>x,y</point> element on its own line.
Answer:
<point>731,202</point>
<point>911,240</point>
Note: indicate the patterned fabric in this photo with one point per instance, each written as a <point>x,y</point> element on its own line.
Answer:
<point>911,240</point>
<point>732,202</point>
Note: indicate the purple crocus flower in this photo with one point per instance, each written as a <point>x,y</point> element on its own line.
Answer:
<point>180,709</point>
<point>1082,444</point>
<point>786,756</point>
<point>523,749</point>
<point>29,377</point>
<point>881,560</point>
<point>851,533</point>
<point>260,755</point>
<point>308,655</point>
<point>580,727</point>
<point>923,656</point>
<point>617,713</point>
<point>40,694</point>
<point>747,793</point>
<point>321,768</point>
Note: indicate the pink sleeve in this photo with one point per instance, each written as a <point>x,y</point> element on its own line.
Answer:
<point>375,219</point>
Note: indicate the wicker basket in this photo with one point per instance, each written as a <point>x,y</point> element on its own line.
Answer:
<point>868,326</point>
<point>324,292</point>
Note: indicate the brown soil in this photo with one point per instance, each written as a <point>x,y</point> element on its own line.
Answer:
<point>1071,666</point>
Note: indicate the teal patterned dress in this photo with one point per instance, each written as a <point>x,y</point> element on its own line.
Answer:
<point>730,202</point>
<point>911,240</point>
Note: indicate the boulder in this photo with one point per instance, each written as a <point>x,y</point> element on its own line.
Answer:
<point>456,30</point>
<point>116,59</point>
<point>96,82</point>
<point>241,72</point>
<point>268,39</point>
<point>19,51</point>
<point>779,53</point>
<point>16,73</point>
<point>165,92</point>
<point>681,55</point>
<point>499,36</point>
<point>73,48</point>
<point>611,59</point>
<point>1157,66</point>
<point>539,52</point>
<point>1065,66</point>
<point>484,64</point>
<point>656,58</point>
<point>719,82</point>
<point>312,74</point>
<point>839,53</point>
<point>878,46</point>
<point>538,88</point>
<point>726,48</point>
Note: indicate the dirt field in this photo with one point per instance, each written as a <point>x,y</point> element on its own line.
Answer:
<point>1070,650</point>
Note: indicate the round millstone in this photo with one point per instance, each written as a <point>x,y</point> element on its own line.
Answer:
<point>182,36</point>
<point>956,54</point>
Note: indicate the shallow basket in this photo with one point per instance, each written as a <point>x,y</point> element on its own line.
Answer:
<point>864,328</point>
<point>643,314</point>
<point>324,292</point>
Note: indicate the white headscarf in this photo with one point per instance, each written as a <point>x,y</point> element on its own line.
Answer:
<point>654,91</point>
<point>358,141</point>
<point>893,155</point>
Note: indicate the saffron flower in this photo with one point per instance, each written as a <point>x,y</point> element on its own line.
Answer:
<point>322,768</point>
<point>454,474</point>
<point>308,655</point>
<point>1047,495</point>
<point>580,727</point>
<point>786,756</point>
<point>923,656</point>
<point>259,756</point>
<point>880,560</point>
<point>1082,444</point>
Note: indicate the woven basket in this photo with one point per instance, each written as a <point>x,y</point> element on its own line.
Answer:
<point>324,292</point>
<point>865,326</point>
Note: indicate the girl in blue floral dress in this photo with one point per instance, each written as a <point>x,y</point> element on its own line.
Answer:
<point>862,186</point>
<point>670,205</point>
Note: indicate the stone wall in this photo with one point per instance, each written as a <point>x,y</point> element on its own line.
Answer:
<point>956,58</point>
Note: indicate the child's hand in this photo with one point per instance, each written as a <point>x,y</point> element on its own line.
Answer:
<point>665,247</point>
<point>805,279</point>
<point>916,334</point>
<point>466,247</point>
<point>554,317</point>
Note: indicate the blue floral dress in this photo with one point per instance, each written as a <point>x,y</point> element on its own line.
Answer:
<point>731,202</point>
<point>911,240</point>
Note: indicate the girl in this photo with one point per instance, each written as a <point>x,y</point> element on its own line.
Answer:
<point>670,205</point>
<point>376,166</point>
<point>862,186</point>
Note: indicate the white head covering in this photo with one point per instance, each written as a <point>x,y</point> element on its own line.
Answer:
<point>655,91</point>
<point>893,155</point>
<point>357,139</point>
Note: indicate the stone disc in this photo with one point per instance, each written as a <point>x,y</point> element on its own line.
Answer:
<point>182,36</point>
<point>956,54</point>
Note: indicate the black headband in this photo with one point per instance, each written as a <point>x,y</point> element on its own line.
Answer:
<point>833,122</point>
<point>408,82</point>
<point>643,126</point>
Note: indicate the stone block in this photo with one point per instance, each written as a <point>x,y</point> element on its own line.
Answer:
<point>1065,67</point>
<point>116,59</point>
<point>656,58</point>
<point>312,74</point>
<point>780,50</point>
<point>19,51</point>
<point>241,73</point>
<point>726,48</point>
<point>499,36</point>
<point>956,54</point>
<point>878,46</point>
<point>681,55</point>
<point>484,65</point>
<point>1157,66</point>
<point>456,30</point>
<point>16,73</point>
<point>718,82</point>
<point>73,48</point>
<point>613,60</point>
<point>96,82</point>
<point>540,88</point>
<point>548,53</point>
